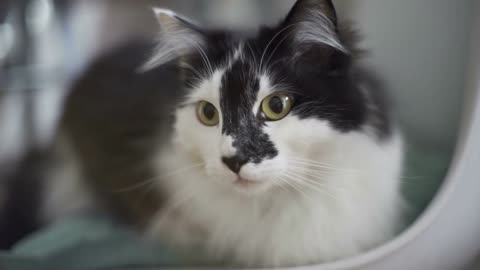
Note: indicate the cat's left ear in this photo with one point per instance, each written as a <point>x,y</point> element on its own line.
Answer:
<point>178,38</point>
<point>314,22</point>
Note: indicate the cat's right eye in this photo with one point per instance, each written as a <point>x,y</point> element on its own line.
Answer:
<point>207,114</point>
<point>276,107</point>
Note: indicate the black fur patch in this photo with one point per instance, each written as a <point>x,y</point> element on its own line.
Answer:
<point>238,94</point>
<point>114,118</point>
<point>325,83</point>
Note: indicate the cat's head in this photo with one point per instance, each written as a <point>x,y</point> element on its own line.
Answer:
<point>261,110</point>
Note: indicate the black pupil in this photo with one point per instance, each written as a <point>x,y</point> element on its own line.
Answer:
<point>209,111</point>
<point>276,105</point>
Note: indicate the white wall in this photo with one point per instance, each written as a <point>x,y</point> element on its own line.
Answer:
<point>420,47</point>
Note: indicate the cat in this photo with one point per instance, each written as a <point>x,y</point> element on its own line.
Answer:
<point>268,149</point>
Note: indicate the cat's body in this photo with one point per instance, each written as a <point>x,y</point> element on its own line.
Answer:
<point>271,150</point>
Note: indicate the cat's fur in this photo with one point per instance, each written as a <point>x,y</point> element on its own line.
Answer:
<point>324,182</point>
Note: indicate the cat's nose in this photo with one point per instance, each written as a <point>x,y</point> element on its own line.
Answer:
<point>235,163</point>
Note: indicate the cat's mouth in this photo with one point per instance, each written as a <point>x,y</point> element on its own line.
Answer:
<point>245,183</point>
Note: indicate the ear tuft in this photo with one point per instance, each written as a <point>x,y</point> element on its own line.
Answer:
<point>169,21</point>
<point>178,38</point>
<point>315,22</point>
<point>161,11</point>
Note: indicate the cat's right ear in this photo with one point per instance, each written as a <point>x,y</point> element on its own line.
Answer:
<point>178,38</point>
<point>314,22</point>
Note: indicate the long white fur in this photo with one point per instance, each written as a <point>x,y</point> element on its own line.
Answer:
<point>354,206</point>
<point>318,28</point>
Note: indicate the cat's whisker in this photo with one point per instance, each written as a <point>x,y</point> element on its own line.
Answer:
<point>319,164</point>
<point>305,187</point>
<point>309,181</point>
<point>302,193</point>
<point>285,181</point>
<point>323,166</point>
<point>179,198</point>
<point>316,177</point>
<point>301,161</point>
<point>176,203</point>
<point>279,185</point>
<point>312,161</point>
<point>316,180</point>
<point>206,61</point>
<point>325,170</point>
<point>278,46</point>
<point>254,57</point>
<point>151,187</point>
<point>193,70</point>
<point>313,182</point>
<point>321,173</point>
<point>140,185</point>
<point>309,185</point>
<point>204,57</point>
<point>152,180</point>
<point>270,43</point>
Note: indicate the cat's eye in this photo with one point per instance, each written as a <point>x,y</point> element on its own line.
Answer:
<point>207,114</point>
<point>277,106</point>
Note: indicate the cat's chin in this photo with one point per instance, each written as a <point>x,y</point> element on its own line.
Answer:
<point>250,187</point>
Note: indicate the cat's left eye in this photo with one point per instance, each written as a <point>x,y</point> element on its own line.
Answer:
<point>276,107</point>
<point>207,114</point>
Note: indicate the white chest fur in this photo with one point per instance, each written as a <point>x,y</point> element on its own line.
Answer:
<point>358,208</point>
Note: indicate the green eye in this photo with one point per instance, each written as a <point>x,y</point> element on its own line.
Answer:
<point>207,114</point>
<point>277,106</point>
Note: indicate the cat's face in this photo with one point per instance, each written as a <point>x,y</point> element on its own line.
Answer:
<point>246,126</point>
<point>263,111</point>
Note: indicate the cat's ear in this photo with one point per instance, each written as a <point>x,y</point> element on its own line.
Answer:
<point>178,38</point>
<point>316,41</point>
<point>314,22</point>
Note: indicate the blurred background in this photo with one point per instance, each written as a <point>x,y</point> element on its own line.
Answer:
<point>418,47</point>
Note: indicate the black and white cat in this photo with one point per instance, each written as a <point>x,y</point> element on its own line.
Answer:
<point>273,149</point>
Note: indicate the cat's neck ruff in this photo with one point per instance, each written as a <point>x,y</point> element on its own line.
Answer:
<point>356,210</point>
